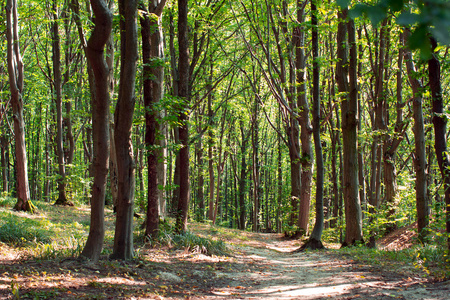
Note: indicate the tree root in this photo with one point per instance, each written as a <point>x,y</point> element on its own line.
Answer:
<point>311,244</point>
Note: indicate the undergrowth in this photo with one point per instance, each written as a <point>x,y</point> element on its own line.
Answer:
<point>420,260</point>
<point>188,241</point>
<point>19,232</point>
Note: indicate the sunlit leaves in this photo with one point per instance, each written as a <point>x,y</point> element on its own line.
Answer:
<point>424,17</point>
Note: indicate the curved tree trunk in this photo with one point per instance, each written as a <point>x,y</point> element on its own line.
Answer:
<point>15,71</point>
<point>440,130</point>
<point>100,126</point>
<point>123,120</point>
<point>316,235</point>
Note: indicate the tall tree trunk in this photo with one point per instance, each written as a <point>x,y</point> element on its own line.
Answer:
<point>15,71</point>
<point>57,83</point>
<point>440,130</point>
<point>255,168</point>
<point>393,144</point>
<point>210,161</point>
<point>243,178</point>
<point>347,84</point>
<point>69,154</point>
<point>183,93</point>
<point>420,151</point>
<point>123,120</point>
<point>153,92</point>
<point>100,126</point>
<point>200,181</point>
<point>307,157</point>
<point>279,179</point>
<point>220,166</point>
<point>316,235</point>
<point>5,165</point>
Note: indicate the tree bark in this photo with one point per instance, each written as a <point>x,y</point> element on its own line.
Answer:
<point>153,91</point>
<point>100,126</point>
<point>57,83</point>
<point>347,84</point>
<point>307,157</point>
<point>420,150</point>
<point>440,130</point>
<point>16,74</point>
<point>316,235</point>
<point>242,178</point>
<point>183,93</point>
<point>210,161</point>
<point>123,120</point>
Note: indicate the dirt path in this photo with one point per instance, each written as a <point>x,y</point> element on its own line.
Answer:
<point>316,275</point>
<point>261,267</point>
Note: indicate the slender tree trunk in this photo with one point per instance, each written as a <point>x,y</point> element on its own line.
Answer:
<point>243,179</point>
<point>316,235</point>
<point>279,180</point>
<point>15,71</point>
<point>255,169</point>
<point>210,161</point>
<point>394,143</point>
<point>4,148</point>
<point>183,93</point>
<point>200,181</point>
<point>57,83</point>
<point>420,162</point>
<point>69,154</point>
<point>307,157</point>
<point>123,120</point>
<point>100,127</point>
<point>440,130</point>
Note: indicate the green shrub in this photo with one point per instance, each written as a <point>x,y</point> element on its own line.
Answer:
<point>6,200</point>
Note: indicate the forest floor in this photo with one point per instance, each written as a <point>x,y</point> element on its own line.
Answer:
<point>259,266</point>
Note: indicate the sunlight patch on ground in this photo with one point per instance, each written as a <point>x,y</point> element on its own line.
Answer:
<point>286,291</point>
<point>120,280</point>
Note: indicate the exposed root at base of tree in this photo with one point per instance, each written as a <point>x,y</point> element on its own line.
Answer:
<point>63,202</point>
<point>27,206</point>
<point>311,244</point>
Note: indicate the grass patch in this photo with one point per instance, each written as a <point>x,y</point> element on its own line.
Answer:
<point>189,241</point>
<point>428,260</point>
<point>6,201</point>
<point>19,231</point>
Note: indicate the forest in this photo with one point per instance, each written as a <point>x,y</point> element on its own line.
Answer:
<point>324,121</point>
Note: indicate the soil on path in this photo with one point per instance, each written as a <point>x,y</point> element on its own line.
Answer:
<point>261,267</point>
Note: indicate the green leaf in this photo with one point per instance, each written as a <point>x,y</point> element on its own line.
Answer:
<point>407,19</point>
<point>376,14</point>
<point>396,5</point>
<point>417,38</point>
<point>343,3</point>
<point>442,34</point>
<point>358,10</point>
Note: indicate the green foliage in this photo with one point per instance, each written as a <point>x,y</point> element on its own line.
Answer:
<point>430,260</point>
<point>7,201</point>
<point>424,17</point>
<point>189,241</point>
<point>18,231</point>
<point>69,247</point>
